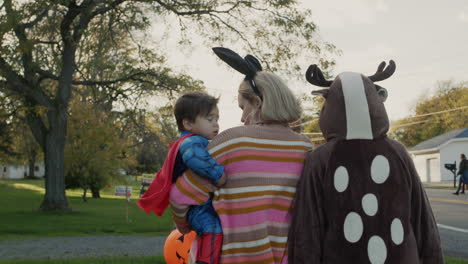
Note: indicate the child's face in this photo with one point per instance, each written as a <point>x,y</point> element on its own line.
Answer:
<point>206,126</point>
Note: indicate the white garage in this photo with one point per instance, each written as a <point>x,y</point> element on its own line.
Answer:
<point>430,156</point>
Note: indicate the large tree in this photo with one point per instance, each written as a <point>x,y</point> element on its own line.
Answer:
<point>50,49</point>
<point>445,110</point>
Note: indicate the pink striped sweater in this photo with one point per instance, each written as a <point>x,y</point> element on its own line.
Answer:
<point>263,165</point>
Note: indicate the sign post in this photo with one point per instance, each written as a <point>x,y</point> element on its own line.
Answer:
<point>125,191</point>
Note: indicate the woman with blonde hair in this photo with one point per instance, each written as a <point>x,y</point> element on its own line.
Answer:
<point>262,160</point>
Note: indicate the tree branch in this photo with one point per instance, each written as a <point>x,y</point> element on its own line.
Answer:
<point>37,19</point>
<point>37,127</point>
<point>86,18</point>
<point>200,11</point>
<point>131,77</point>
<point>18,84</point>
<point>45,42</point>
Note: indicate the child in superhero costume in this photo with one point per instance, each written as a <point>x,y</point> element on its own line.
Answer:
<point>197,119</point>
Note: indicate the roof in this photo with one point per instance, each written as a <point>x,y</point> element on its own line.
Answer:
<point>437,141</point>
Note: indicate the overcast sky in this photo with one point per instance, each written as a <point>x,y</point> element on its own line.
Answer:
<point>427,39</point>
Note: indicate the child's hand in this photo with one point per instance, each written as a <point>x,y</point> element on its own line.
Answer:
<point>184,229</point>
<point>222,180</point>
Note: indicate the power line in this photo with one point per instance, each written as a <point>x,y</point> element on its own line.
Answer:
<point>411,117</point>
<point>410,124</point>
<point>440,112</point>
<point>418,122</point>
<point>405,124</point>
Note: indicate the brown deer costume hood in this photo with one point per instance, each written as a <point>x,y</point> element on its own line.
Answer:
<point>359,199</point>
<point>354,106</point>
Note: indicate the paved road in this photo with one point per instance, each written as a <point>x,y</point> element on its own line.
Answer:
<point>80,247</point>
<point>451,213</point>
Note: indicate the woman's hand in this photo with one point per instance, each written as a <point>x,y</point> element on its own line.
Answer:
<point>222,180</point>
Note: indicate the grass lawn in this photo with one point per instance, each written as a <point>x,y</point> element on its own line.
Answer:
<point>455,261</point>
<point>105,216</point>
<point>139,260</point>
<point>119,260</point>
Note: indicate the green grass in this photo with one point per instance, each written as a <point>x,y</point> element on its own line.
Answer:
<point>21,199</point>
<point>114,260</point>
<point>449,260</point>
<point>135,260</point>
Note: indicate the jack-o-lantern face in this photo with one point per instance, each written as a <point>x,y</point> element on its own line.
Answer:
<point>177,247</point>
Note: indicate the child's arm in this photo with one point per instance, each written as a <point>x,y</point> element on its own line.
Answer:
<point>197,158</point>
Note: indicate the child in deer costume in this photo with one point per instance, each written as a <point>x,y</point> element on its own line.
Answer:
<point>359,199</point>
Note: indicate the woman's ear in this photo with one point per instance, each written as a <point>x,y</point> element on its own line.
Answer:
<point>187,124</point>
<point>257,102</point>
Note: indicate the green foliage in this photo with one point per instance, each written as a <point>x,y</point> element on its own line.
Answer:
<point>423,125</point>
<point>6,142</point>
<point>6,134</point>
<point>310,119</point>
<point>93,153</point>
<point>149,134</point>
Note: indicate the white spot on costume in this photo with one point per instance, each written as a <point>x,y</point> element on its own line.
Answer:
<point>380,169</point>
<point>397,231</point>
<point>370,204</point>
<point>353,227</point>
<point>376,250</point>
<point>341,179</point>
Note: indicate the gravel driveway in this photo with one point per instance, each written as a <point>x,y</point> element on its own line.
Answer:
<point>80,247</point>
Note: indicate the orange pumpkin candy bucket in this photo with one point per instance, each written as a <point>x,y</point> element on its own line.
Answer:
<point>177,247</point>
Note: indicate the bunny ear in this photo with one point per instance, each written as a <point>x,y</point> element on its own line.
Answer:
<point>256,66</point>
<point>235,61</point>
<point>315,76</point>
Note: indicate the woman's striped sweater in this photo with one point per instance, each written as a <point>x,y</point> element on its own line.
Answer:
<point>263,165</point>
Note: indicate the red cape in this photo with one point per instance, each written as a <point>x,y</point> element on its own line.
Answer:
<point>156,198</point>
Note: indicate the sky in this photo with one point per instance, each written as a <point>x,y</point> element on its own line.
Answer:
<point>427,39</point>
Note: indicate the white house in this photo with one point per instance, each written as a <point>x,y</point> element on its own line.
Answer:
<point>430,156</point>
<point>8,171</point>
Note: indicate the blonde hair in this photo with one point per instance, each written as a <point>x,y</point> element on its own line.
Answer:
<point>279,103</point>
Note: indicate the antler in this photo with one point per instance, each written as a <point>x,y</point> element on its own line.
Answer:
<point>315,76</point>
<point>381,73</point>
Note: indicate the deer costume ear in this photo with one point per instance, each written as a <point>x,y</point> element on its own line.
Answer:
<point>381,74</point>
<point>382,92</point>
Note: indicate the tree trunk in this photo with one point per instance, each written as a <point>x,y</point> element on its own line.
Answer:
<point>95,193</point>
<point>32,164</point>
<point>85,190</point>
<point>55,199</point>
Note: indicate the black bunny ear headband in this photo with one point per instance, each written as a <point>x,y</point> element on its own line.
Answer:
<point>249,66</point>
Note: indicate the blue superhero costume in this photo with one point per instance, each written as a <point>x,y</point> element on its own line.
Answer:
<point>202,218</point>
<point>193,155</point>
